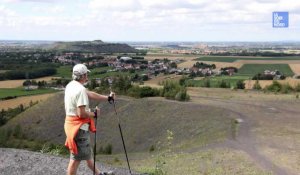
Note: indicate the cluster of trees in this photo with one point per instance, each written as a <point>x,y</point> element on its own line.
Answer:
<point>225,69</point>
<point>122,85</point>
<point>260,76</point>
<point>175,91</point>
<point>42,84</point>
<point>134,61</point>
<point>25,60</point>
<point>202,65</point>
<point>27,74</point>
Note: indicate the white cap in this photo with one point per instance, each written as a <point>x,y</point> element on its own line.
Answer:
<point>80,69</point>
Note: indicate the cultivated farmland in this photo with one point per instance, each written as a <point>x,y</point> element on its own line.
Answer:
<point>231,59</point>
<point>16,92</point>
<point>13,103</point>
<point>19,83</point>
<point>252,69</point>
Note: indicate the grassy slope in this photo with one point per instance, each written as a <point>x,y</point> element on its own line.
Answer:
<point>144,123</point>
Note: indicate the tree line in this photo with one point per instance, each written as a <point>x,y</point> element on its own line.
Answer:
<point>27,74</point>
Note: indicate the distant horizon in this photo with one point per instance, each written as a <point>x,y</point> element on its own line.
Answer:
<point>275,41</point>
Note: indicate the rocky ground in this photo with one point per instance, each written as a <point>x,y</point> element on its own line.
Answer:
<point>14,161</point>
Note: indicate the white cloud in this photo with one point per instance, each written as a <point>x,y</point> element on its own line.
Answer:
<point>17,1</point>
<point>142,17</point>
<point>4,11</point>
<point>111,5</point>
<point>48,9</point>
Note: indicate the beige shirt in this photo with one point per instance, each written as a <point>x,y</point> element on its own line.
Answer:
<point>75,96</point>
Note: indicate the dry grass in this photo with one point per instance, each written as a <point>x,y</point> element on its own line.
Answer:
<point>159,79</point>
<point>199,95</point>
<point>23,100</point>
<point>263,83</point>
<point>295,68</point>
<point>11,83</point>
<point>214,161</point>
<point>18,83</point>
<point>289,159</point>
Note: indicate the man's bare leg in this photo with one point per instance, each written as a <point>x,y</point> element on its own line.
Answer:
<point>73,166</point>
<point>90,164</point>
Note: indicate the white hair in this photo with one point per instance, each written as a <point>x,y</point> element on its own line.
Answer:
<point>77,77</point>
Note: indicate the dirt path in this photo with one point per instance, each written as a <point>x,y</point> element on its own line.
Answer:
<point>245,138</point>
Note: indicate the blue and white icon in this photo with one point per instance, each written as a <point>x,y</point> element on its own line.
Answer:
<point>280,19</point>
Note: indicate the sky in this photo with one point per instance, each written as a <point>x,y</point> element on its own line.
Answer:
<point>147,20</point>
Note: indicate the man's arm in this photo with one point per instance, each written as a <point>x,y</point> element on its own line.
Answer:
<point>84,114</point>
<point>96,96</point>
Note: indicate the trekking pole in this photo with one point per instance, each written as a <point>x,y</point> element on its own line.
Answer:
<point>113,102</point>
<point>95,141</point>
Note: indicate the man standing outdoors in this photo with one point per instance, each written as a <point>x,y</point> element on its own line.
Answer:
<point>80,120</point>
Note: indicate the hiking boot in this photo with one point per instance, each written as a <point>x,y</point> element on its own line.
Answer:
<point>107,173</point>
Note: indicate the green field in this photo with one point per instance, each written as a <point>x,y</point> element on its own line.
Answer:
<point>214,81</point>
<point>233,59</point>
<point>252,69</point>
<point>5,92</point>
<point>64,72</point>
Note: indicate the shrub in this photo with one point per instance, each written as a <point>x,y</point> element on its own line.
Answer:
<point>108,149</point>
<point>206,82</point>
<point>152,148</point>
<point>161,157</point>
<point>173,90</point>
<point>170,89</point>
<point>182,95</point>
<point>50,148</point>
<point>274,87</point>
<point>286,88</point>
<point>182,81</point>
<point>262,77</point>
<point>17,132</point>
<point>3,137</point>
<point>297,88</point>
<point>141,92</point>
<point>240,84</point>
<point>257,86</point>
<point>223,84</point>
